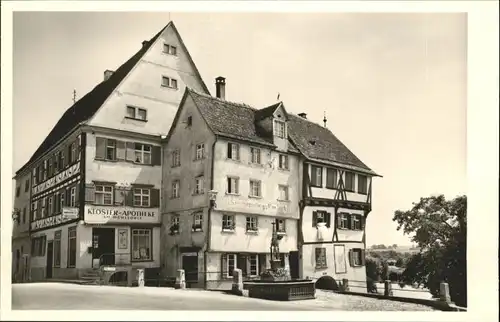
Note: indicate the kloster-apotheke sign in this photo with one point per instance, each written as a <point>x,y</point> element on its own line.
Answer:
<point>58,178</point>
<point>104,214</point>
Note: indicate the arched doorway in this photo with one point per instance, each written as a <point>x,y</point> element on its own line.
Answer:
<point>327,283</point>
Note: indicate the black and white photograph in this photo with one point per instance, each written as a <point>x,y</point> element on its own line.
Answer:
<point>306,160</point>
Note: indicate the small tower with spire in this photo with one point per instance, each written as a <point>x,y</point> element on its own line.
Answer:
<point>324,119</point>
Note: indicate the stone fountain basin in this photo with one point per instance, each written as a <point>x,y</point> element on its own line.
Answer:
<point>281,290</point>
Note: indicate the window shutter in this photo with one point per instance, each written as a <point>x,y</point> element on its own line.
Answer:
<point>237,152</point>
<point>351,221</point>
<point>229,155</point>
<point>100,148</point>
<point>44,239</point>
<point>89,193</point>
<point>351,259</point>
<point>121,150</point>
<point>130,151</point>
<point>339,220</point>
<point>77,194</point>
<point>223,265</point>
<point>155,198</point>
<point>129,197</point>
<point>362,218</point>
<point>68,197</point>
<point>328,218</point>
<point>33,247</point>
<point>363,262</point>
<point>156,155</point>
<point>314,218</point>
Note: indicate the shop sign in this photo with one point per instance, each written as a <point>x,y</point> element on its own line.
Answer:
<point>58,178</point>
<point>49,222</point>
<point>103,214</point>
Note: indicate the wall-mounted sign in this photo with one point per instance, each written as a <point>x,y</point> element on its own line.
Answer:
<point>260,206</point>
<point>58,178</point>
<point>70,212</point>
<point>103,215</point>
<point>49,222</point>
<point>122,238</point>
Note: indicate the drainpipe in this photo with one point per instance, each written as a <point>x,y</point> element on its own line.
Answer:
<point>209,219</point>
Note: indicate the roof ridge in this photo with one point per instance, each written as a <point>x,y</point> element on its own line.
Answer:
<point>221,100</point>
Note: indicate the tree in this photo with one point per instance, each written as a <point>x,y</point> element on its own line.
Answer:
<point>440,229</point>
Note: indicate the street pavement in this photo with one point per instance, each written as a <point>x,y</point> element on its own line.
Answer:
<point>58,296</point>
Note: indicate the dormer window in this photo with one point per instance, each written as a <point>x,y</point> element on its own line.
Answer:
<point>279,129</point>
<point>169,49</point>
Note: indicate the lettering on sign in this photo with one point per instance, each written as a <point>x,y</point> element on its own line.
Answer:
<point>58,178</point>
<point>95,214</point>
<point>49,222</point>
<point>259,205</point>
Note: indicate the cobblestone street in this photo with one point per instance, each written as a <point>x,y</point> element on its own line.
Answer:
<point>54,296</point>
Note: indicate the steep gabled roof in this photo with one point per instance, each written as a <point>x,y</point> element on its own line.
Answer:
<point>89,104</point>
<point>231,120</point>
<point>319,143</point>
<point>239,121</point>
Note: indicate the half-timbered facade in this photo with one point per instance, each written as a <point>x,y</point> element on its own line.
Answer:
<point>334,205</point>
<point>96,178</point>
<point>230,174</point>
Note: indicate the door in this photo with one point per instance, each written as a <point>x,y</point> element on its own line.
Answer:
<point>190,267</point>
<point>293,260</point>
<point>50,259</point>
<point>103,245</point>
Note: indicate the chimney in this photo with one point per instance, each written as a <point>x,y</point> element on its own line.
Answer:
<point>303,115</point>
<point>107,74</point>
<point>220,87</point>
<point>144,43</point>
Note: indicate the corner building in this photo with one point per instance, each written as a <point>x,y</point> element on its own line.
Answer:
<point>96,177</point>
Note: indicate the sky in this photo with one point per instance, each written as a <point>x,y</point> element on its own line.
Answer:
<point>392,85</point>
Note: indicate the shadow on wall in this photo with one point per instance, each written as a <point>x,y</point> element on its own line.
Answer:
<point>327,283</point>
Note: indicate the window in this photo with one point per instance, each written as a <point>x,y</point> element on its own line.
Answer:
<point>44,208</point>
<point>362,184</point>
<point>253,265</point>
<point>26,185</point>
<point>136,113</point>
<point>255,155</point>
<point>175,189</point>
<point>57,157</point>
<point>200,151</point>
<point>103,195</point>
<point>233,151</point>
<point>343,221</point>
<point>283,162</point>
<point>357,257</point>
<point>73,152</point>
<point>169,82</point>
<point>38,246</point>
<point>199,184</point>
<point>349,181</point>
<point>142,153</point>
<point>255,188</point>
<point>72,197</point>
<point>57,248</point>
<point>63,196</point>
<point>280,226</point>
<point>141,245</point>
<point>321,216</point>
<point>44,173</point>
<point>279,129</point>
<point>61,160</point>
<point>252,224</point>
<point>18,191</point>
<point>169,49</point>
<point>356,222</point>
<point>72,247</point>
<point>197,221</point>
<point>283,192</point>
<point>110,149</point>
<point>50,164</point>
<point>228,222</point>
<point>321,257</point>
<point>331,178</point>
<point>233,185</point>
<point>49,206</point>
<point>24,215</point>
<point>176,158</point>
<point>175,224</point>
<point>34,174</point>
<point>230,264</point>
<point>317,176</point>
<point>33,210</point>
<point>141,197</point>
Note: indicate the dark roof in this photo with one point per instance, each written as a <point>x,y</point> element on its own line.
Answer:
<point>89,104</point>
<point>239,121</point>
<point>231,120</point>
